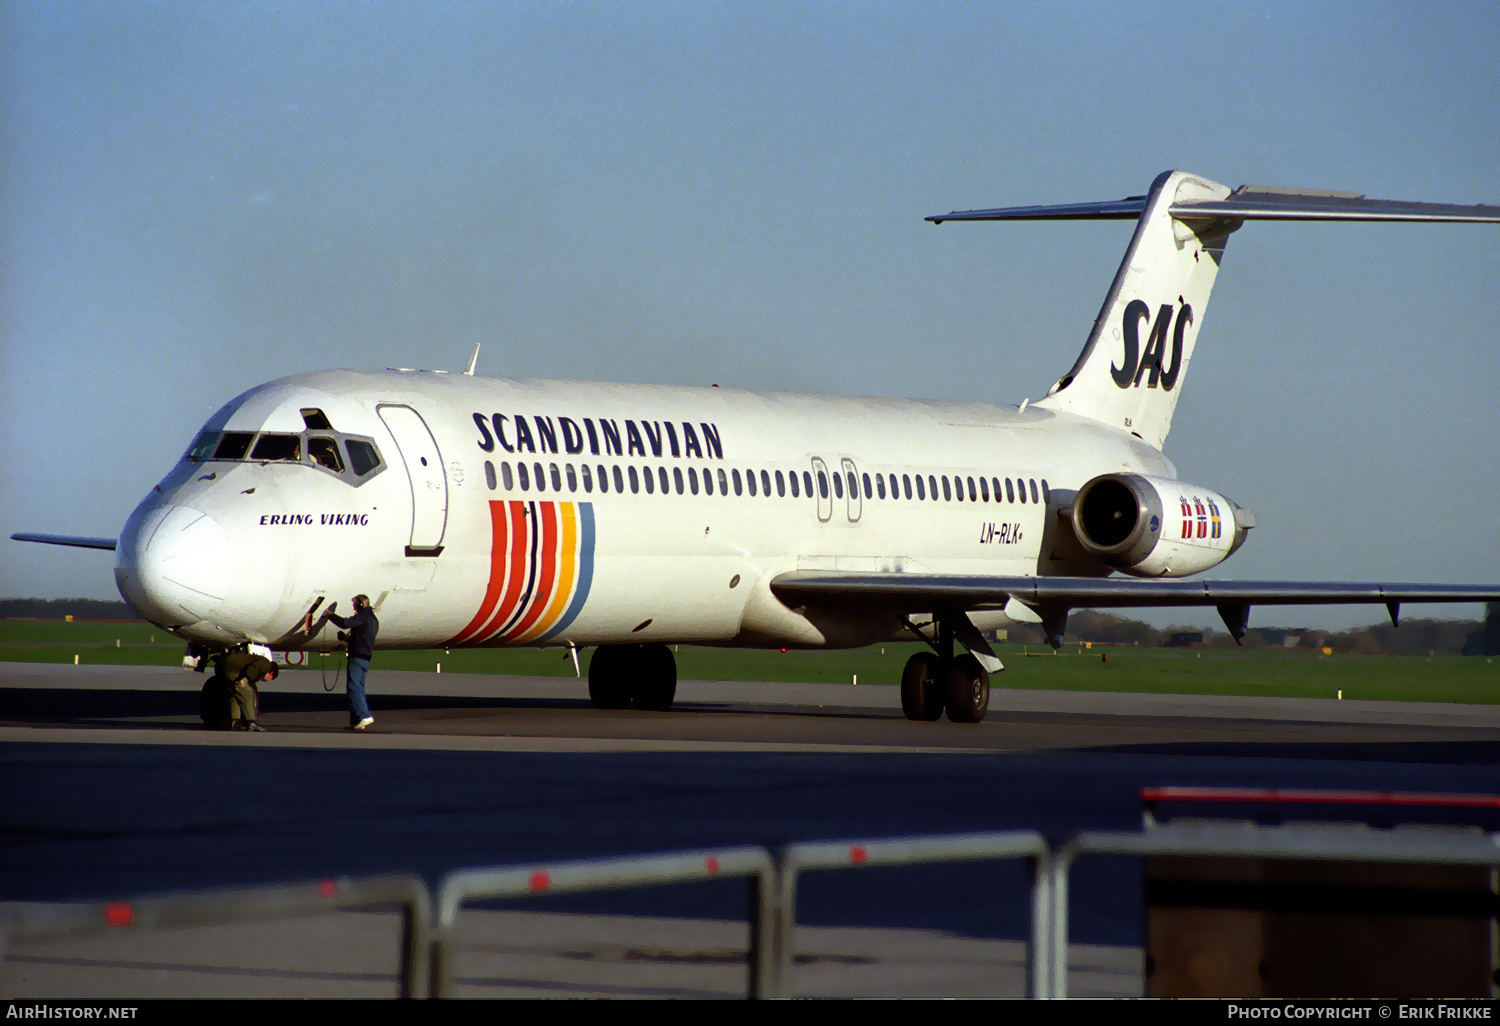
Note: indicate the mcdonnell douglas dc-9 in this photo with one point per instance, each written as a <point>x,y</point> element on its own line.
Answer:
<point>501,512</point>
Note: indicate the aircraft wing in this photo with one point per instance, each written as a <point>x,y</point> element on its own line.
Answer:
<point>1053,597</point>
<point>67,539</point>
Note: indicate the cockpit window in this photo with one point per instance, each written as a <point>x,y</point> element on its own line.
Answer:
<point>315,420</point>
<point>278,448</point>
<point>234,445</point>
<point>202,446</point>
<point>362,457</point>
<point>325,453</point>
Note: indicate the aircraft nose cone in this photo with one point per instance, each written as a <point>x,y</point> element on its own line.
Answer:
<point>171,564</point>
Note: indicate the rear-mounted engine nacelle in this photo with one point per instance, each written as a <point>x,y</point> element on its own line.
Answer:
<point>1154,527</point>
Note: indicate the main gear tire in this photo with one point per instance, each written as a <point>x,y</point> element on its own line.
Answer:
<point>655,678</point>
<point>966,692</point>
<point>921,695</point>
<point>610,678</point>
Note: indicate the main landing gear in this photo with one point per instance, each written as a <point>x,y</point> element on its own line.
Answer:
<point>642,676</point>
<point>936,682</point>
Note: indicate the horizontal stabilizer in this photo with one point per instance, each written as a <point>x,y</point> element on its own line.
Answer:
<point>67,539</point>
<point>1247,203</point>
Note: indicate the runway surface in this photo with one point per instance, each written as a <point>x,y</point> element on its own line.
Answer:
<point>112,788</point>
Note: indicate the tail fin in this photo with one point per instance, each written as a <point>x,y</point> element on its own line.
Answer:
<point>1136,357</point>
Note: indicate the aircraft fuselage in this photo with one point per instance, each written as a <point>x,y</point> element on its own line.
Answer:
<point>507,512</point>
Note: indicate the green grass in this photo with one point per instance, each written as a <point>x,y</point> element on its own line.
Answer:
<point>1270,673</point>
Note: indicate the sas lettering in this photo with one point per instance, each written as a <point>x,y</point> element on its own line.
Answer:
<point>999,534</point>
<point>1152,364</point>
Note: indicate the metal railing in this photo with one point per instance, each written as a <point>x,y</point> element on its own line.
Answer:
<point>468,885</point>
<point>906,851</point>
<point>37,921</point>
<point>427,956</point>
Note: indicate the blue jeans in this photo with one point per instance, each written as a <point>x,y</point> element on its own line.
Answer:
<point>359,709</point>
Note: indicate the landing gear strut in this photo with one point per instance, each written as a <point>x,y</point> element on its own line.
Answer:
<point>643,676</point>
<point>933,683</point>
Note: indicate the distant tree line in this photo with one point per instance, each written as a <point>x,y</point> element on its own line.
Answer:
<point>58,609</point>
<point>1413,637</point>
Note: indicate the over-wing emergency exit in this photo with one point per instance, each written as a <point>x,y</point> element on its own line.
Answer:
<point>497,512</point>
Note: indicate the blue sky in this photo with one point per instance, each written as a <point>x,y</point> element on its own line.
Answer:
<point>198,198</point>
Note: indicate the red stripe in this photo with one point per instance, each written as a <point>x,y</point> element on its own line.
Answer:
<point>497,572</point>
<point>546,570</point>
<point>517,559</point>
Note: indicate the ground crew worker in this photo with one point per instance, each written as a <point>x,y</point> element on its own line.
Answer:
<point>245,670</point>
<point>362,628</point>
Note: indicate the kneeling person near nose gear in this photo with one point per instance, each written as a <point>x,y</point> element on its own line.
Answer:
<point>243,671</point>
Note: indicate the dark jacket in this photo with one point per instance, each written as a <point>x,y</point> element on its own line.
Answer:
<point>253,668</point>
<point>362,628</point>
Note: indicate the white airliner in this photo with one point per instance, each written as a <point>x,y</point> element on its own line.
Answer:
<point>497,512</point>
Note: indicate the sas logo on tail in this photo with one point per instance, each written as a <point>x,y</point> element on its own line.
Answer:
<point>1152,365</point>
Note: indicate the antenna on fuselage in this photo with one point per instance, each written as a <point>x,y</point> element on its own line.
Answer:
<point>469,370</point>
